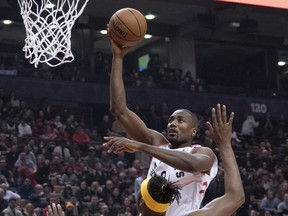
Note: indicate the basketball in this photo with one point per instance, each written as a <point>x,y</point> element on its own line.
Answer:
<point>127,27</point>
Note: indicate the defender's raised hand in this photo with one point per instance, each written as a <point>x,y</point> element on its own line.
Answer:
<point>220,129</point>
<point>55,210</point>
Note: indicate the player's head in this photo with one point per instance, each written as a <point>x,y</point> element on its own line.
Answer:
<point>156,194</point>
<point>182,127</point>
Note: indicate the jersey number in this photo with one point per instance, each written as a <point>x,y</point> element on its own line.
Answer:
<point>204,187</point>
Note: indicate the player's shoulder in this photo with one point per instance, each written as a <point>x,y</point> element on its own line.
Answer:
<point>198,149</point>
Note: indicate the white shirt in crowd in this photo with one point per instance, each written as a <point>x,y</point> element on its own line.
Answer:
<point>24,129</point>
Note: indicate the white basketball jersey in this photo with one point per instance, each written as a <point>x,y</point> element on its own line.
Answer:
<point>194,185</point>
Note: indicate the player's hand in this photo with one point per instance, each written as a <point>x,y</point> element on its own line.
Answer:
<point>55,210</point>
<point>220,129</point>
<point>118,50</point>
<point>118,144</point>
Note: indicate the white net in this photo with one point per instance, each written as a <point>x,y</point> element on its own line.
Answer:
<point>48,29</point>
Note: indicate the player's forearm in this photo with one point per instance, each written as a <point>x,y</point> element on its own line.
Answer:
<point>232,178</point>
<point>117,90</point>
<point>178,159</point>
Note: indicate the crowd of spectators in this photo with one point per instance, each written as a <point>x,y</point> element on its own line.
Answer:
<point>47,157</point>
<point>157,75</point>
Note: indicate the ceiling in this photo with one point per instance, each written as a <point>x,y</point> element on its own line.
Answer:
<point>205,20</point>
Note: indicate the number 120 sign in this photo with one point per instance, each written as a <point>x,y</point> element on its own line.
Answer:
<point>258,108</point>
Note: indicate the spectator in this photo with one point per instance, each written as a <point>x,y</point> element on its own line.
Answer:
<point>14,100</point>
<point>94,204</point>
<point>67,192</point>
<point>62,134</point>
<point>49,133</point>
<point>105,125</point>
<point>3,202</point>
<point>11,209</point>
<point>57,168</point>
<point>122,156</point>
<point>37,128</point>
<point>12,156</point>
<point>24,129</point>
<point>43,169</point>
<point>101,64</point>
<point>117,129</point>
<point>116,196</point>
<point>62,150</point>
<point>269,202</point>
<point>37,198</point>
<point>3,179</point>
<point>138,182</point>
<point>69,177</point>
<point>96,189</point>
<point>11,126</point>
<point>83,193</point>
<point>248,127</point>
<point>29,154</point>
<point>57,122</point>
<point>8,194</point>
<point>26,189</point>
<point>108,189</point>
<point>3,143</point>
<point>282,208</point>
<point>95,138</point>
<point>104,209</point>
<point>29,210</point>
<point>91,159</point>
<point>81,138</point>
<point>71,124</point>
<point>26,167</point>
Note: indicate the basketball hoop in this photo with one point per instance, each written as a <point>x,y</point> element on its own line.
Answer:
<point>48,29</point>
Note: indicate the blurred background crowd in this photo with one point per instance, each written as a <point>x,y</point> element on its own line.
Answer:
<point>52,156</point>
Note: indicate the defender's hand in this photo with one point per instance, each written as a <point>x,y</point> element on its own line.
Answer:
<point>220,129</point>
<point>55,210</point>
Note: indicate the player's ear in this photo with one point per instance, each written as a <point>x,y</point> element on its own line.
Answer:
<point>193,132</point>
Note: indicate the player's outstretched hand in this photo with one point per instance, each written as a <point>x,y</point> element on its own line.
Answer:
<point>55,210</point>
<point>118,144</point>
<point>220,129</point>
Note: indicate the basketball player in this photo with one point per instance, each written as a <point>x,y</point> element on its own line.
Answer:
<point>194,171</point>
<point>157,193</point>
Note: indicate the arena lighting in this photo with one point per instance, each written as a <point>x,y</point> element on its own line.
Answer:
<point>150,16</point>
<point>103,32</point>
<point>283,4</point>
<point>234,24</point>
<point>7,22</point>
<point>147,36</point>
<point>281,63</point>
<point>53,26</point>
<point>50,5</point>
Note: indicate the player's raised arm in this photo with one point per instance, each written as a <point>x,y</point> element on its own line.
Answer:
<point>221,131</point>
<point>132,124</point>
